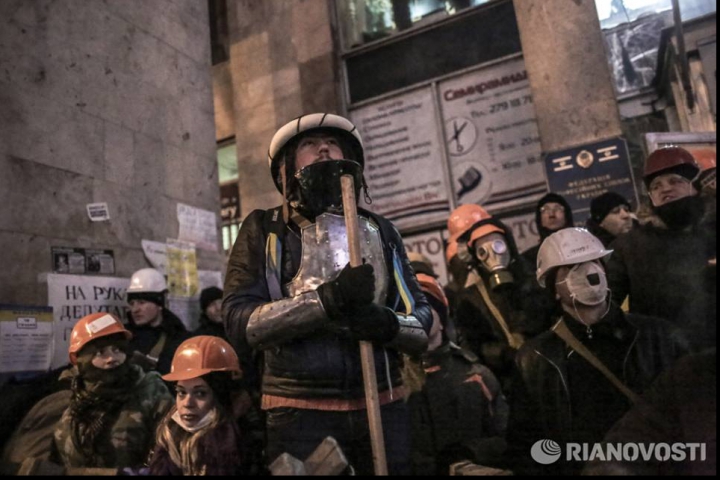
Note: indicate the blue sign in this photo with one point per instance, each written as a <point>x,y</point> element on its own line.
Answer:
<point>582,173</point>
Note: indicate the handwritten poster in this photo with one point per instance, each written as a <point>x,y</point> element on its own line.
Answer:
<point>198,226</point>
<point>182,271</point>
<point>74,296</point>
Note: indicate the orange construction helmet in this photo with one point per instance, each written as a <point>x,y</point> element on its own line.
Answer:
<point>464,217</point>
<point>431,286</point>
<point>483,230</point>
<point>706,158</point>
<point>670,160</point>
<point>200,355</point>
<point>91,327</point>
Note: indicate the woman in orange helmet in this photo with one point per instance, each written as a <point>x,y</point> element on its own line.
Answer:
<point>115,406</point>
<point>199,435</point>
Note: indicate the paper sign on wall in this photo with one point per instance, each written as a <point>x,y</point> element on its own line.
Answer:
<point>156,253</point>
<point>198,226</point>
<point>403,161</point>
<point>26,338</point>
<point>492,137</point>
<point>181,269</point>
<point>74,296</point>
<point>432,246</point>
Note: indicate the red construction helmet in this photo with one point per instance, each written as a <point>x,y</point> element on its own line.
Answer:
<point>670,160</point>
<point>91,327</point>
<point>200,355</point>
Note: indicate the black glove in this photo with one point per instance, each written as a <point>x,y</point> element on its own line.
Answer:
<point>373,323</point>
<point>353,288</point>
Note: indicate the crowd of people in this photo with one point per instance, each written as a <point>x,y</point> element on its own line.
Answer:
<point>598,334</point>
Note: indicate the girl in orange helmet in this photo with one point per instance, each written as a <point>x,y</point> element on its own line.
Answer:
<point>115,406</point>
<point>199,435</point>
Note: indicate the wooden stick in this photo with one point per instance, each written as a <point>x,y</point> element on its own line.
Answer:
<point>372,399</point>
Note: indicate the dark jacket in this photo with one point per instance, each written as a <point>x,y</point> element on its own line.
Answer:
<point>208,327</point>
<point>666,274</point>
<point>540,407</point>
<point>460,413</point>
<point>525,307</point>
<point>680,407</point>
<point>603,235</point>
<point>322,363</point>
<point>145,338</point>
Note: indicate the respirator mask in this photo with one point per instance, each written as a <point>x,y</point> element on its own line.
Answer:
<point>493,254</point>
<point>587,283</point>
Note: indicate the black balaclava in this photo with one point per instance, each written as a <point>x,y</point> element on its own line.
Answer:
<point>552,198</point>
<point>309,192</point>
<point>682,213</point>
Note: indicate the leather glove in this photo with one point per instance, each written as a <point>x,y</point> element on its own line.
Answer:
<point>373,323</point>
<point>353,288</point>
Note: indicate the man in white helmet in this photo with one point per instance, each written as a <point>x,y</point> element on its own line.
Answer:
<point>291,294</point>
<point>558,394</point>
<point>157,332</point>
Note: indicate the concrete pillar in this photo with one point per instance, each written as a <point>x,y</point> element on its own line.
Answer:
<point>283,65</point>
<point>101,102</point>
<point>569,75</point>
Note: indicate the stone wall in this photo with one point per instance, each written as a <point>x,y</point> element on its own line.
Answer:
<point>282,64</point>
<point>101,102</point>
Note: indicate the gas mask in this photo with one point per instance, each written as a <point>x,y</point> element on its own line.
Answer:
<point>494,256</point>
<point>587,283</point>
<point>318,186</point>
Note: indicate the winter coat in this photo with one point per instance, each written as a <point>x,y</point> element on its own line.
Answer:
<point>127,440</point>
<point>680,407</point>
<point>540,407</point>
<point>525,308</point>
<point>460,413</point>
<point>666,274</point>
<point>208,327</point>
<point>145,338</point>
<point>322,363</point>
<point>218,451</point>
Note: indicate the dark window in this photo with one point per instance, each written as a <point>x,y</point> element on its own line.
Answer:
<point>487,33</point>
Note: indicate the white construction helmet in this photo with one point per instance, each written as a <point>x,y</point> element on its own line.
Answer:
<point>147,280</point>
<point>315,121</point>
<point>568,246</point>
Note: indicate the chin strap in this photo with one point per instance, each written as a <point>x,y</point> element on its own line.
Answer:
<point>285,208</point>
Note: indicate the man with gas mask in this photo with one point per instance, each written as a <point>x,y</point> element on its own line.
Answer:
<point>502,306</point>
<point>666,265</point>
<point>574,381</point>
<point>291,295</point>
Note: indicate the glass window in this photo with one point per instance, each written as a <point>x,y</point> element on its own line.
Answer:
<point>229,193</point>
<point>227,163</point>
<point>632,34</point>
<point>366,20</point>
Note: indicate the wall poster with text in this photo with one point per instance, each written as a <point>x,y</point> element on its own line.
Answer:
<point>492,137</point>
